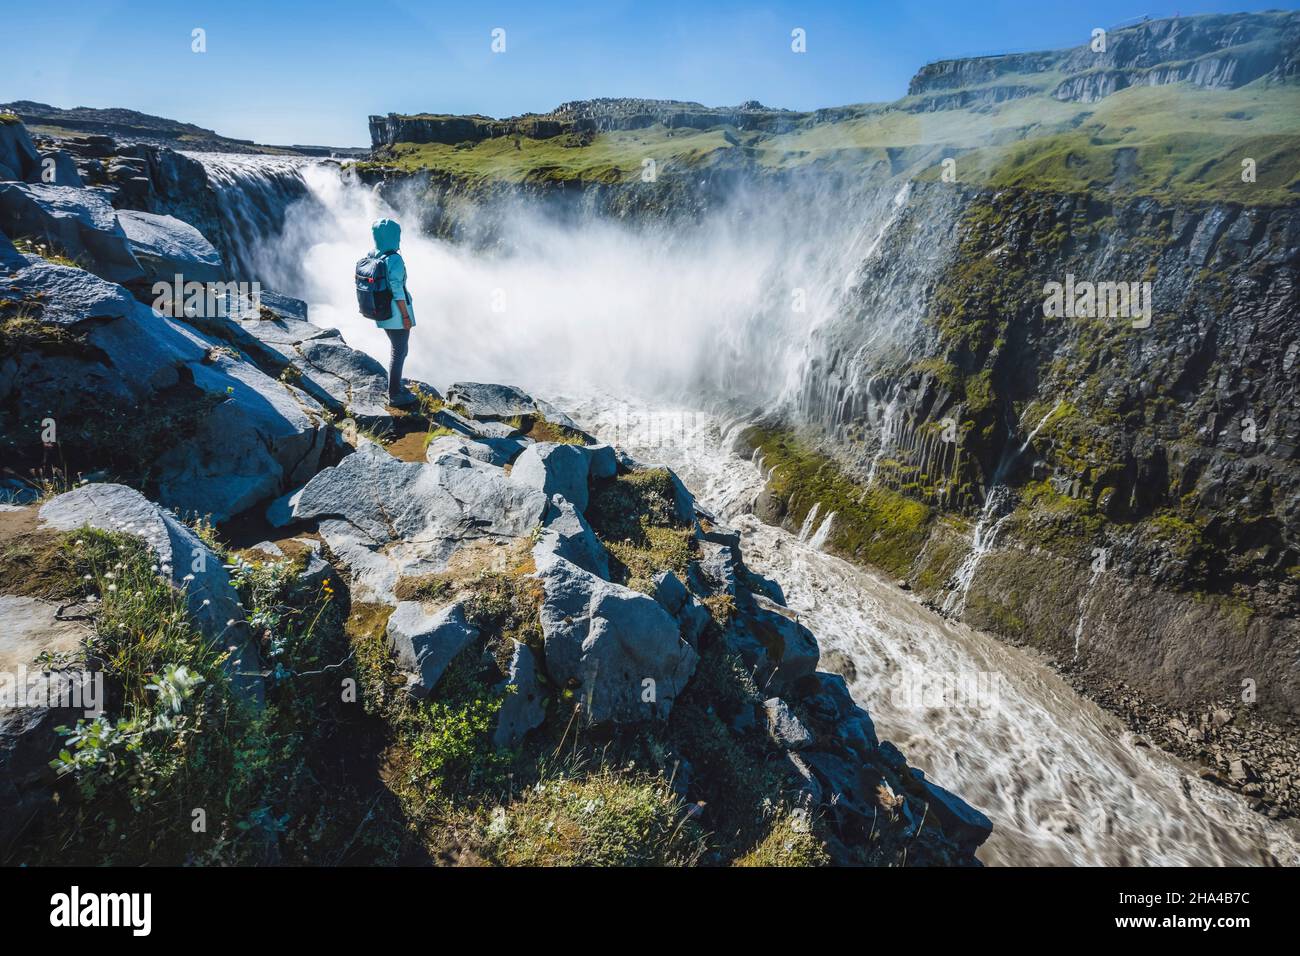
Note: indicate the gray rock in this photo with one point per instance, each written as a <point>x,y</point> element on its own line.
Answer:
<point>566,535</point>
<point>524,707</point>
<point>669,591</point>
<point>424,642</point>
<point>80,222</point>
<point>604,462</point>
<point>182,557</point>
<point>386,518</point>
<point>960,821</point>
<point>352,378</point>
<point>779,651</point>
<point>616,648</point>
<point>166,247</point>
<point>483,400</point>
<point>492,451</point>
<point>555,469</point>
<point>58,168</point>
<point>72,295</point>
<point>784,727</point>
<point>17,152</point>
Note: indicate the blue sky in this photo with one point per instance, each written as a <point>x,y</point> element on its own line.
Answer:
<point>299,72</point>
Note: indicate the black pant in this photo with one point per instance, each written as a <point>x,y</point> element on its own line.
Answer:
<point>399,340</point>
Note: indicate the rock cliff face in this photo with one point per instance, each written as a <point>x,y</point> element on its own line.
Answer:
<point>1210,51</point>
<point>1135,488</point>
<point>577,116</point>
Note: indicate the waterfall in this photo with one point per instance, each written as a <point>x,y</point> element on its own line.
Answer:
<point>254,195</point>
<point>995,512</point>
<point>808,520</point>
<point>818,540</point>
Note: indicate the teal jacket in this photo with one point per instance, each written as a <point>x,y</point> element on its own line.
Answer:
<point>388,237</point>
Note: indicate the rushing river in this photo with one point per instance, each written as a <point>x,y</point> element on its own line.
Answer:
<point>1063,782</point>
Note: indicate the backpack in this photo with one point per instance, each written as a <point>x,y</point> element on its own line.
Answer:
<point>374,294</point>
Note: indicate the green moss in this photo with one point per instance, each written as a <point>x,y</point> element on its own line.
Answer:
<point>606,818</point>
<point>874,525</point>
<point>790,842</point>
<point>634,516</point>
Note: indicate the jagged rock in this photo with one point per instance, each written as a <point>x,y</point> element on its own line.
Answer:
<point>80,223</point>
<point>58,168</point>
<point>717,566</point>
<point>166,247</point>
<point>669,591</point>
<point>779,651</point>
<point>424,642</point>
<point>524,707</point>
<point>182,557</point>
<point>486,401</point>
<point>555,469</point>
<point>386,518</point>
<point>491,451</point>
<point>352,378</point>
<point>566,535</point>
<point>481,400</point>
<point>692,616</point>
<point>70,295</point>
<point>827,700</point>
<point>960,821</point>
<point>617,648</point>
<point>784,727</point>
<point>17,152</point>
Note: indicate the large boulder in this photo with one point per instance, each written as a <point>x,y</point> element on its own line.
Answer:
<point>388,519</point>
<point>58,168</point>
<point>182,557</point>
<point>243,437</point>
<point>167,247</point>
<point>483,400</point>
<point>617,649</point>
<point>488,401</point>
<point>960,821</point>
<point>490,451</point>
<point>776,648</point>
<point>17,152</point>
<point>424,642</point>
<point>79,223</point>
<point>351,377</point>
<point>34,700</point>
<point>555,469</point>
<point>566,535</point>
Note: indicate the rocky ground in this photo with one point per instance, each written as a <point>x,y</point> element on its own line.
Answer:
<point>335,631</point>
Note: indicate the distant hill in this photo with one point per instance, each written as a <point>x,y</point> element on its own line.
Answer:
<point>135,127</point>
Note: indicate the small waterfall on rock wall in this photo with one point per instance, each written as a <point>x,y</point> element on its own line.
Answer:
<point>808,520</point>
<point>990,521</point>
<point>997,509</point>
<point>818,541</point>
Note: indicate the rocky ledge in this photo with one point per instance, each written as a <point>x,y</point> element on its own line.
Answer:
<point>215,514</point>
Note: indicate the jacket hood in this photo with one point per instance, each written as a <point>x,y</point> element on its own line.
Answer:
<point>388,235</point>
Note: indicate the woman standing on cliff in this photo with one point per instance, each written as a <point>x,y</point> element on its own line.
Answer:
<point>399,318</point>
